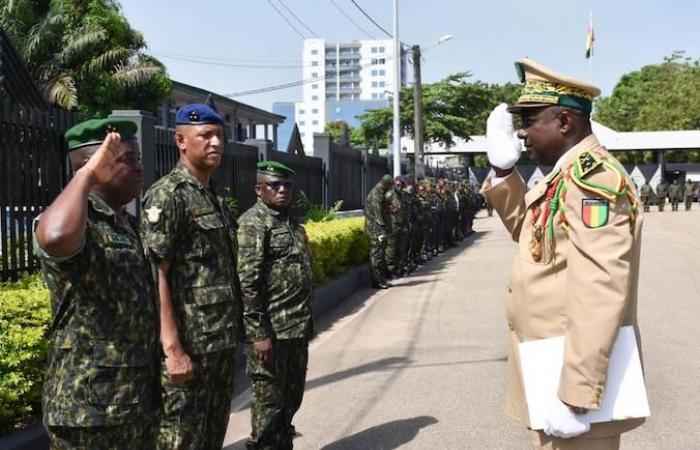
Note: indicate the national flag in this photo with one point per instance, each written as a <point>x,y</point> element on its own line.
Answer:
<point>594,212</point>
<point>589,39</point>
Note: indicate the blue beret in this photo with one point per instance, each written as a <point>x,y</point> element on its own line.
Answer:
<point>197,114</point>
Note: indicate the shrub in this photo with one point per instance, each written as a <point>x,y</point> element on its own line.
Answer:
<point>25,315</point>
<point>337,245</point>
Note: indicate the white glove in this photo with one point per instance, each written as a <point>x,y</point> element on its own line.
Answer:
<point>563,423</point>
<point>503,147</point>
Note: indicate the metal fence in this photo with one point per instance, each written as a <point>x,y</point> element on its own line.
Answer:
<point>309,173</point>
<point>345,182</point>
<point>376,167</point>
<point>32,173</point>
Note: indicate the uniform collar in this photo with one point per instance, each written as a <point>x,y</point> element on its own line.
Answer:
<point>271,211</point>
<point>183,173</point>
<point>99,205</point>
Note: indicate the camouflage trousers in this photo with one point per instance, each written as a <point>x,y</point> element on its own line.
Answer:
<point>662,203</point>
<point>674,204</point>
<point>396,249</point>
<point>377,259</point>
<point>278,388</point>
<point>132,436</point>
<point>646,201</point>
<point>688,202</point>
<point>195,414</point>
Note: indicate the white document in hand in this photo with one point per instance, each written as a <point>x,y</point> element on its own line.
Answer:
<point>624,397</point>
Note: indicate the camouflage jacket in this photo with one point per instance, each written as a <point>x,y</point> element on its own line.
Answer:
<point>674,191</point>
<point>376,212</point>
<point>274,266</point>
<point>103,359</point>
<point>187,224</point>
<point>662,190</point>
<point>645,191</point>
<point>397,210</point>
<point>689,189</point>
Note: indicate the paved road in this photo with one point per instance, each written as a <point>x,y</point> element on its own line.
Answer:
<point>421,366</point>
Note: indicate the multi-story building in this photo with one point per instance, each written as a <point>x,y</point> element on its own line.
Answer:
<point>343,81</point>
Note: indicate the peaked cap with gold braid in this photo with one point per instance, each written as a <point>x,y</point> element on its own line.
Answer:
<point>545,87</point>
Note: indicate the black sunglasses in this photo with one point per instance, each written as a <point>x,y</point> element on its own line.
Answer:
<point>276,185</point>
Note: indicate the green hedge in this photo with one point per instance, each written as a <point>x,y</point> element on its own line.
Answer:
<point>337,245</point>
<point>25,315</point>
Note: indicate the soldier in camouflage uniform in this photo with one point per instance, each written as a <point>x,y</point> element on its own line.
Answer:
<point>426,221</point>
<point>437,209</point>
<point>450,203</point>
<point>645,193</point>
<point>274,264</point>
<point>102,368</point>
<point>190,236</point>
<point>688,194</point>
<point>377,227</point>
<point>398,237</point>
<point>661,194</point>
<point>414,227</point>
<point>674,194</point>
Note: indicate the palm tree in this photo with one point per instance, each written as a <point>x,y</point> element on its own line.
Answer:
<point>71,57</point>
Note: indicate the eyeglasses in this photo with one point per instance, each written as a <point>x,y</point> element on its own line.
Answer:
<point>276,185</point>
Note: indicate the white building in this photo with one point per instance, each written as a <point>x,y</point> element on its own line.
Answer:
<point>351,78</point>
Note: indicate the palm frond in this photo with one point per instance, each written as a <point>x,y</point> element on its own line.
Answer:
<point>108,60</point>
<point>136,74</point>
<point>81,40</point>
<point>45,33</point>
<point>62,92</point>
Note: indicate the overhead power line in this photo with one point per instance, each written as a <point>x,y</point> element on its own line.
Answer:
<point>298,19</point>
<point>286,20</point>
<point>350,19</point>
<point>237,65</point>
<point>370,18</point>
<point>293,83</point>
<point>231,60</point>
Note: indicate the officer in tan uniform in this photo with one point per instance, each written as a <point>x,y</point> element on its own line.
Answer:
<point>576,269</point>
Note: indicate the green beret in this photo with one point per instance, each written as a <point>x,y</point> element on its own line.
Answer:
<point>388,178</point>
<point>93,132</point>
<point>274,168</point>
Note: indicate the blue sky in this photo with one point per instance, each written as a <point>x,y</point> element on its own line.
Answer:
<point>487,37</point>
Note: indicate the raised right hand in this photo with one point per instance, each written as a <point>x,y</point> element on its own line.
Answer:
<point>502,146</point>
<point>101,166</point>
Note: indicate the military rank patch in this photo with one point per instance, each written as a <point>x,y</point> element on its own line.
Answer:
<point>153,214</point>
<point>586,162</point>
<point>594,212</point>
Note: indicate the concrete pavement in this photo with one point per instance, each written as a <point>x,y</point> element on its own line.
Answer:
<point>421,365</point>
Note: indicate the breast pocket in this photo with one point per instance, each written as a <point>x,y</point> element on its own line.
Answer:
<point>119,373</point>
<point>280,242</point>
<point>209,232</point>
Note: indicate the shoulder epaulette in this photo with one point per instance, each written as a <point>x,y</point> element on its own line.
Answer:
<point>585,163</point>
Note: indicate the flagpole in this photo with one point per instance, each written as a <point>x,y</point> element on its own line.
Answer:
<point>590,60</point>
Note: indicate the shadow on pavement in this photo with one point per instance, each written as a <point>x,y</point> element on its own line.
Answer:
<point>388,436</point>
<point>380,364</point>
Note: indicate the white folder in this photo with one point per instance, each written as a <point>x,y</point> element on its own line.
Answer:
<point>624,396</point>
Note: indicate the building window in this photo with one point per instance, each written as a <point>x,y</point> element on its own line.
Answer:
<point>374,50</point>
<point>382,60</point>
<point>375,96</point>
<point>374,84</point>
<point>382,84</point>
<point>314,63</point>
<point>314,122</point>
<point>314,75</point>
<point>314,86</point>
<point>302,134</point>
<point>314,111</point>
<point>301,111</point>
<point>382,96</point>
<point>381,49</point>
<point>314,97</point>
<point>302,123</point>
<point>374,73</point>
<point>314,52</point>
<point>382,72</point>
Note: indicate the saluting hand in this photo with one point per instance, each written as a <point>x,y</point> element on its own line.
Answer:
<point>101,166</point>
<point>503,148</point>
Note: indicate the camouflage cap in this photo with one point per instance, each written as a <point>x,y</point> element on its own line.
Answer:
<point>274,168</point>
<point>93,131</point>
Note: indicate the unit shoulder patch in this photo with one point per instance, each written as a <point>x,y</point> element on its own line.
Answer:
<point>153,214</point>
<point>595,212</point>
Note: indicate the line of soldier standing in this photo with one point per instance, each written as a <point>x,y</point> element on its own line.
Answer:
<point>147,315</point>
<point>409,222</point>
<point>674,192</point>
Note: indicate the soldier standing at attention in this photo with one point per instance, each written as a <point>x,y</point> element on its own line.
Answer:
<point>661,194</point>
<point>377,229</point>
<point>398,237</point>
<point>274,264</point>
<point>645,193</point>
<point>688,194</point>
<point>577,264</point>
<point>674,194</point>
<point>190,236</point>
<point>102,369</point>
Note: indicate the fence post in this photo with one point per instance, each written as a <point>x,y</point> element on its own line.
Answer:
<point>264,147</point>
<point>146,136</point>
<point>322,149</point>
<point>365,175</point>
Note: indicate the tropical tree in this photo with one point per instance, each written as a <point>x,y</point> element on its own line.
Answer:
<point>452,107</point>
<point>84,55</point>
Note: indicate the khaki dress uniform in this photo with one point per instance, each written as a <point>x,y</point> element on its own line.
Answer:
<point>576,275</point>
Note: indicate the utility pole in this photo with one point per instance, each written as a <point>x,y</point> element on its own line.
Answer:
<point>419,167</point>
<point>397,87</point>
